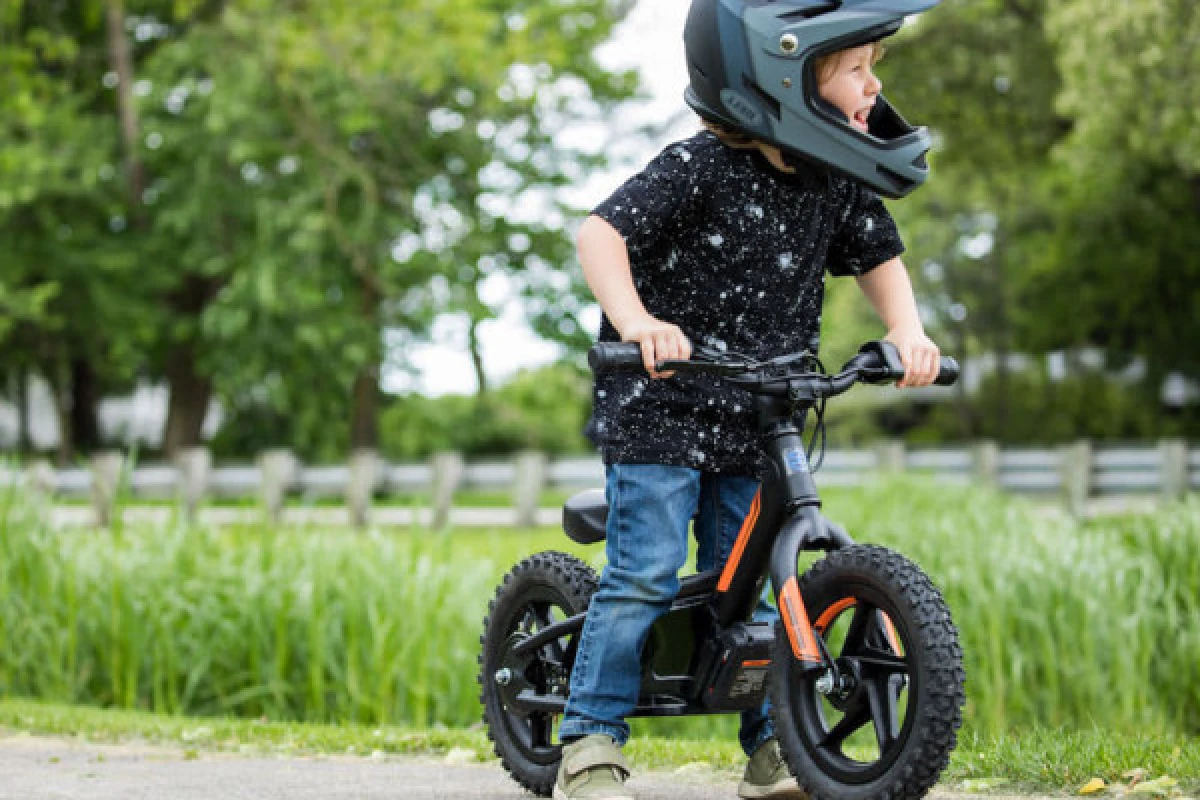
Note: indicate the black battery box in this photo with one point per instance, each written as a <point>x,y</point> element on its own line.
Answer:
<point>733,666</point>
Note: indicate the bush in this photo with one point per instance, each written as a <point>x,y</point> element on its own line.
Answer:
<point>543,409</point>
<point>1036,409</point>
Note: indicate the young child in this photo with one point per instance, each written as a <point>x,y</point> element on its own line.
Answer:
<point>724,239</point>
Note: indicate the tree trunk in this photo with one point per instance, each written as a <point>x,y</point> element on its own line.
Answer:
<point>364,412</point>
<point>84,401</point>
<point>121,61</point>
<point>60,387</point>
<point>476,349</point>
<point>364,425</point>
<point>190,393</point>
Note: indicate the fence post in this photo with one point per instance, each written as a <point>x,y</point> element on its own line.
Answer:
<point>42,481</point>
<point>1076,470</point>
<point>1173,456</point>
<point>986,460</point>
<point>448,471</point>
<point>366,470</point>
<point>890,456</point>
<point>527,491</point>
<point>195,466</point>
<point>106,478</point>
<point>279,469</point>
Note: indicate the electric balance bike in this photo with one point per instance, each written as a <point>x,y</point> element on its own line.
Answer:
<point>863,668</point>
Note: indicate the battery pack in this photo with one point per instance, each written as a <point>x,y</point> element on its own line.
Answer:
<point>735,664</point>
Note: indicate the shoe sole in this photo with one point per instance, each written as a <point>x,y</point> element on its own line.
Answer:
<point>784,790</point>
<point>559,794</point>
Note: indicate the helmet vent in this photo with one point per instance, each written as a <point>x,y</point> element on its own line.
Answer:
<point>815,10</point>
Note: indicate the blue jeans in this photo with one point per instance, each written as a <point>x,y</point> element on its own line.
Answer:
<point>649,508</point>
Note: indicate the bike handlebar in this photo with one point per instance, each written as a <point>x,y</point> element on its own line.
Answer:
<point>876,362</point>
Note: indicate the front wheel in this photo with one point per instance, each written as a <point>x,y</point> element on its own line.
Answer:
<point>884,726</point>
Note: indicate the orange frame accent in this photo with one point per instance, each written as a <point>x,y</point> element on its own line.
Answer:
<point>828,615</point>
<point>739,546</point>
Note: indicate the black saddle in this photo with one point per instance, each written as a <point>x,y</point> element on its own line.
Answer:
<point>585,515</point>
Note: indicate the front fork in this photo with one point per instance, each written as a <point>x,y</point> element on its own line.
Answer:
<point>806,529</point>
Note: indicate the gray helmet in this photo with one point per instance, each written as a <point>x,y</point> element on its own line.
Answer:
<point>751,66</point>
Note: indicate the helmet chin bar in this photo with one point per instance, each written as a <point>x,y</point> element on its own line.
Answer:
<point>885,123</point>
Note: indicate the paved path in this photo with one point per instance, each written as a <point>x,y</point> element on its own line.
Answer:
<point>44,768</point>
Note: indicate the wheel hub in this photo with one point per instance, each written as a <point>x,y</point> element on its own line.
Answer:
<point>849,686</point>
<point>511,678</point>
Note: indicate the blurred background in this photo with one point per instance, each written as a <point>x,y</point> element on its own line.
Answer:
<point>331,226</point>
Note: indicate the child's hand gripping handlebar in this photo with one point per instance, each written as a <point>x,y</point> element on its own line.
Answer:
<point>876,362</point>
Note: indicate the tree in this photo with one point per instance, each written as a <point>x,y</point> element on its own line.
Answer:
<point>983,76</point>
<point>1121,270</point>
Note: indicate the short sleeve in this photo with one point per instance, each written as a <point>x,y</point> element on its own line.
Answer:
<point>651,204</point>
<point>867,237</point>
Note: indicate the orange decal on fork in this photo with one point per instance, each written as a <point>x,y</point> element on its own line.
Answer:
<point>795,620</point>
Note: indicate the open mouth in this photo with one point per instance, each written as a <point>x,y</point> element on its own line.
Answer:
<point>859,120</point>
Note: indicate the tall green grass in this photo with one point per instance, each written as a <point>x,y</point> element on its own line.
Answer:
<point>1063,624</point>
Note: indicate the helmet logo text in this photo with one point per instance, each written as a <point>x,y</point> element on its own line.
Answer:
<point>741,107</point>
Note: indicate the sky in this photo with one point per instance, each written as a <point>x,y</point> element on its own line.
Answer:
<point>651,40</point>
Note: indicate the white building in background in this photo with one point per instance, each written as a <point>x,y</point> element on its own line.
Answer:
<point>134,419</point>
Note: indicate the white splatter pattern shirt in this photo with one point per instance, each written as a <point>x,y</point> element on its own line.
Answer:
<point>735,253</point>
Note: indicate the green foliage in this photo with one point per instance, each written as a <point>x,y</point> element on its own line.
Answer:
<point>306,178</point>
<point>543,409</point>
<point>1062,624</point>
<point>1041,411</point>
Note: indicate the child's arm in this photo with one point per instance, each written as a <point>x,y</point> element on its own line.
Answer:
<point>890,291</point>
<point>606,269</point>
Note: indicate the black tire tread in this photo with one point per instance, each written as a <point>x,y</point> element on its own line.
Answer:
<point>577,582</point>
<point>938,721</point>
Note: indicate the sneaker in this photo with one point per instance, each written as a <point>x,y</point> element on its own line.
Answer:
<point>767,776</point>
<point>592,769</point>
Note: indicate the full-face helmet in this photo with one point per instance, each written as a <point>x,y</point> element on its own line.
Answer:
<point>752,67</point>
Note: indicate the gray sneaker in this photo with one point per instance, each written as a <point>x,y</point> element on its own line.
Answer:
<point>592,769</point>
<point>767,776</point>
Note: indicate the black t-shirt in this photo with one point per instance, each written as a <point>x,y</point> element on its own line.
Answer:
<point>734,252</point>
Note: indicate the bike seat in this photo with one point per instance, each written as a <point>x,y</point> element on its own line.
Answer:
<point>585,515</point>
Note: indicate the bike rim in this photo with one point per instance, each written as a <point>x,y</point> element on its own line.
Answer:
<point>856,732</point>
<point>534,732</point>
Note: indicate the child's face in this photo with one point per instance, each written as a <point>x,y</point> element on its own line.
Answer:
<point>852,87</point>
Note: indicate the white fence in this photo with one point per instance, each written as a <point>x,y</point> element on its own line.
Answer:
<point>1076,473</point>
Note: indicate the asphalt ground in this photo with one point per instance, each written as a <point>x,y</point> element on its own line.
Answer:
<point>47,768</point>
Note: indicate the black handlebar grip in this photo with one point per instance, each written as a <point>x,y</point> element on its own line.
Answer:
<point>612,356</point>
<point>947,373</point>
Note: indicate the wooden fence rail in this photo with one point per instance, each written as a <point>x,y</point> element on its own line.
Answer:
<point>1076,473</point>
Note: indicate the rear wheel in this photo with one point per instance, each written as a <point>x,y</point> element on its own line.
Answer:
<point>886,726</point>
<point>541,590</point>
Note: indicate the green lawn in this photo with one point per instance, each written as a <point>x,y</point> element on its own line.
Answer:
<point>1037,761</point>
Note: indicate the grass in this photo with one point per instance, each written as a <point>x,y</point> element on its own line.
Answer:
<point>1040,760</point>
<point>1064,625</point>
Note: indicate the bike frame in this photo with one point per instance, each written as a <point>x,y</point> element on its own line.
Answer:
<point>784,519</point>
